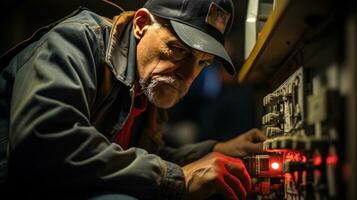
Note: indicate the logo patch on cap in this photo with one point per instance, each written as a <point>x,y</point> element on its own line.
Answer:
<point>217,17</point>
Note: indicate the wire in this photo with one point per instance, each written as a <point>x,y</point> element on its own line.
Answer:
<point>115,5</point>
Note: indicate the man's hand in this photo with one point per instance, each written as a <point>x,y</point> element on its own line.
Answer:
<point>250,142</point>
<point>216,174</point>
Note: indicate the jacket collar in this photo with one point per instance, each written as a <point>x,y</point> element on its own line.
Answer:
<point>120,54</point>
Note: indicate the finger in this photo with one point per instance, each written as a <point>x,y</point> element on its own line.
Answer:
<point>237,168</point>
<point>256,135</point>
<point>225,190</point>
<point>237,186</point>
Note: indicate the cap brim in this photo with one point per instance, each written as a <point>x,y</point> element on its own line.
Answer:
<point>201,41</point>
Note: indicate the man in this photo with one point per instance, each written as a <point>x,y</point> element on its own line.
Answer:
<point>82,103</point>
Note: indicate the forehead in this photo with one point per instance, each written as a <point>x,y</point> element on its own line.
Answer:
<point>168,35</point>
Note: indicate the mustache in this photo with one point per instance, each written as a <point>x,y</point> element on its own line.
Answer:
<point>169,80</point>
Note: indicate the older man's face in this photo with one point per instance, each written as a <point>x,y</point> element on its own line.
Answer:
<point>166,66</point>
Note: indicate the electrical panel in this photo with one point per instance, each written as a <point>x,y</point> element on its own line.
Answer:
<point>301,119</point>
<point>303,72</point>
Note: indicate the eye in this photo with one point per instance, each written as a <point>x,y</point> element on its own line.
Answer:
<point>204,63</point>
<point>179,52</point>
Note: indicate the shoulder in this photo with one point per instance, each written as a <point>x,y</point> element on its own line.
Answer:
<point>83,31</point>
<point>85,22</point>
<point>87,18</point>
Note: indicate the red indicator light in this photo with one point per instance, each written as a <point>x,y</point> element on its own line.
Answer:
<point>275,165</point>
<point>332,159</point>
<point>317,159</point>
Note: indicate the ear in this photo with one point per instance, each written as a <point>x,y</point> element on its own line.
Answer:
<point>141,22</point>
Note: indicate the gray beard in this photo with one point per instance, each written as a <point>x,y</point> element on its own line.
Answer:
<point>152,90</point>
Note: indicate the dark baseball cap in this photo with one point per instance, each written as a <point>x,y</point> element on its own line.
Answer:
<point>201,24</point>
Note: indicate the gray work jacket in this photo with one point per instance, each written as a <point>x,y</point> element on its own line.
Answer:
<point>64,95</point>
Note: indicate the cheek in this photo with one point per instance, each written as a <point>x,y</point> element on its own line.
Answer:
<point>164,67</point>
<point>147,57</point>
<point>188,72</point>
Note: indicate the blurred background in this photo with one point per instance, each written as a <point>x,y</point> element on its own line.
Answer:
<point>217,107</point>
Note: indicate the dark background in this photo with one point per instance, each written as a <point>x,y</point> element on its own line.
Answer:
<point>20,18</point>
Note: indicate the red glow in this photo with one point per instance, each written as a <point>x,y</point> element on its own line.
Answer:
<point>278,150</point>
<point>275,165</point>
<point>317,159</point>
<point>332,159</point>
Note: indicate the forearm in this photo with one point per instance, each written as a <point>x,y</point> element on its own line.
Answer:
<point>187,153</point>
